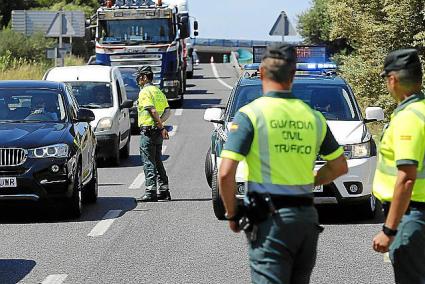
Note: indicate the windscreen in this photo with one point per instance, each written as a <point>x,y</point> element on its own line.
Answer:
<point>29,105</point>
<point>130,83</point>
<point>92,94</point>
<point>136,31</point>
<point>333,101</point>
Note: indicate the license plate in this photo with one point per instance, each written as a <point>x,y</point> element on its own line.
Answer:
<point>318,188</point>
<point>8,182</point>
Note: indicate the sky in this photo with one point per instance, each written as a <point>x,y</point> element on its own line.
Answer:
<point>243,19</point>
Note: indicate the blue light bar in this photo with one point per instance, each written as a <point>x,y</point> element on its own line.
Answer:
<point>316,66</point>
<point>252,67</point>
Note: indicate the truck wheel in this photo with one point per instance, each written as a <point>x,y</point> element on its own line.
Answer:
<point>125,152</point>
<point>208,168</point>
<point>368,209</point>
<point>74,205</point>
<point>90,192</point>
<point>218,205</point>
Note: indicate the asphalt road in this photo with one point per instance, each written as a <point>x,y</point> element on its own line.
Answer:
<point>119,241</point>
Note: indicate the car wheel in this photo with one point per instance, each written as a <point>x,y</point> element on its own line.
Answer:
<point>91,190</point>
<point>75,207</point>
<point>125,152</point>
<point>368,209</point>
<point>115,159</point>
<point>218,205</point>
<point>208,168</point>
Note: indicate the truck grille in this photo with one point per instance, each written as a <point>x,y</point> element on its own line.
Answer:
<point>12,157</point>
<point>152,60</point>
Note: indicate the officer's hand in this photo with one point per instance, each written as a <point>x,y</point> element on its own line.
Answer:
<point>234,226</point>
<point>382,242</point>
<point>164,134</point>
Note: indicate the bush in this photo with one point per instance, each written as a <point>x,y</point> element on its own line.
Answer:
<point>18,45</point>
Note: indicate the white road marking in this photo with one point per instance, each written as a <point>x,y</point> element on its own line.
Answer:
<point>138,181</point>
<point>55,279</point>
<point>218,77</point>
<point>173,131</point>
<point>178,112</point>
<point>104,225</point>
<point>163,149</point>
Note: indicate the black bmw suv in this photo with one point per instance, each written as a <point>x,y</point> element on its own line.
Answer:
<point>47,147</point>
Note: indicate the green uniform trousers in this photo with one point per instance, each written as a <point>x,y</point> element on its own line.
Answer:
<point>285,248</point>
<point>150,151</point>
<point>407,252</point>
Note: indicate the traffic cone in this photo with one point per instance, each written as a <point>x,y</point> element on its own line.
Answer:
<point>212,59</point>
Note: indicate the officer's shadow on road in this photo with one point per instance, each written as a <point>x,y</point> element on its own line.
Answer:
<point>55,212</point>
<point>14,270</point>
<point>345,216</point>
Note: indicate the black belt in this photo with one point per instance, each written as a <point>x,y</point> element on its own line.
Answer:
<point>282,201</point>
<point>412,205</point>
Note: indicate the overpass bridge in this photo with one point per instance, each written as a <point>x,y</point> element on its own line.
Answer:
<point>216,48</point>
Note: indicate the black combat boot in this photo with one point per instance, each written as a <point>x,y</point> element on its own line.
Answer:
<point>164,195</point>
<point>148,197</point>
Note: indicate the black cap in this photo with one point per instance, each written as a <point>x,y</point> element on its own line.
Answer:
<point>281,51</point>
<point>401,59</point>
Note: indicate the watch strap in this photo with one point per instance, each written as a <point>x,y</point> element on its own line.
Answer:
<point>389,232</point>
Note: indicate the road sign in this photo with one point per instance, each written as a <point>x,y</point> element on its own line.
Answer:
<point>51,23</point>
<point>282,26</point>
<point>55,52</point>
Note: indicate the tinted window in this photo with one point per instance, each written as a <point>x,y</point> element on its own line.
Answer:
<point>333,101</point>
<point>31,105</point>
<point>130,83</point>
<point>92,94</point>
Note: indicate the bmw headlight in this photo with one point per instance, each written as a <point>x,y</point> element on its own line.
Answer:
<point>53,151</point>
<point>357,151</point>
<point>104,124</point>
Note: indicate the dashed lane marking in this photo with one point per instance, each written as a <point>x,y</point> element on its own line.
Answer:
<point>173,131</point>
<point>105,224</point>
<point>214,69</point>
<point>138,181</point>
<point>55,279</point>
<point>178,112</point>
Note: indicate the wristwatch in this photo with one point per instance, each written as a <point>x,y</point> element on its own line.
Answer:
<point>233,218</point>
<point>389,232</point>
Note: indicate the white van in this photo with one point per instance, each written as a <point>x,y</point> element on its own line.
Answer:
<point>101,89</point>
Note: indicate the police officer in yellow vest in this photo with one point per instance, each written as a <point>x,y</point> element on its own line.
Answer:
<point>400,175</point>
<point>153,111</point>
<point>281,167</point>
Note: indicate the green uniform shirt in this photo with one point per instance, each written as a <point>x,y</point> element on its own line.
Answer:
<point>403,143</point>
<point>150,97</point>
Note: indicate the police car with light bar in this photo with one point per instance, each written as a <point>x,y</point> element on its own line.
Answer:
<point>317,84</point>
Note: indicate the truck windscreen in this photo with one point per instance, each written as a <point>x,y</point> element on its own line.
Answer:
<point>136,31</point>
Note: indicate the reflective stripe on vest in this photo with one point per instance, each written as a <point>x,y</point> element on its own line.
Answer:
<point>280,189</point>
<point>319,131</point>
<point>263,144</point>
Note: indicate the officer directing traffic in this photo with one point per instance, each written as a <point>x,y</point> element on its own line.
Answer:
<point>153,111</point>
<point>400,175</point>
<point>282,248</point>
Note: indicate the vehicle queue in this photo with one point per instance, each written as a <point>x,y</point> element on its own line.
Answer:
<point>49,148</point>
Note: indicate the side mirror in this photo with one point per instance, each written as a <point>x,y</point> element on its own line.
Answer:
<point>126,104</point>
<point>374,114</point>
<point>195,33</point>
<point>85,115</point>
<point>195,25</point>
<point>184,27</point>
<point>213,115</point>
